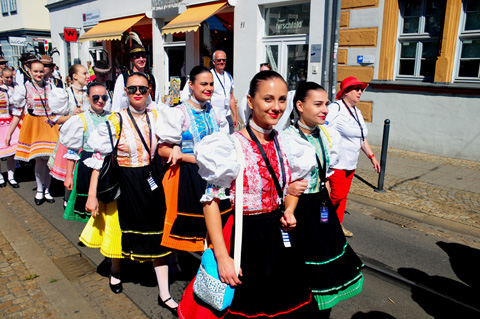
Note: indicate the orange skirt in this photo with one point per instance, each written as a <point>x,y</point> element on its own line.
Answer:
<point>37,138</point>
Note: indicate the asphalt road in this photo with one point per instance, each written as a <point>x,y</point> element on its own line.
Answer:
<point>419,257</point>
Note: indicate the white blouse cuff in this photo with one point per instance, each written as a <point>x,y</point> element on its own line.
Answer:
<point>213,192</point>
<point>71,155</point>
<point>95,162</point>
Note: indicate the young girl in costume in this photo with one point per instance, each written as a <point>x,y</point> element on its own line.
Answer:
<point>331,267</point>
<point>76,98</point>
<point>6,117</point>
<point>39,132</point>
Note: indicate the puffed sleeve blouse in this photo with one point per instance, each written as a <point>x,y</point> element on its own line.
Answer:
<point>329,138</point>
<point>131,152</point>
<point>218,165</point>
<point>186,125</point>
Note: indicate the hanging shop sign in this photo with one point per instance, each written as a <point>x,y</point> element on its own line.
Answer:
<point>19,41</point>
<point>70,35</point>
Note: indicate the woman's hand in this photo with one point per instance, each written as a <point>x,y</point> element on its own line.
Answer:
<point>68,183</point>
<point>298,187</point>
<point>92,205</point>
<point>8,138</point>
<point>226,271</point>
<point>376,164</point>
<point>288,220</point>
<point>176,155</point>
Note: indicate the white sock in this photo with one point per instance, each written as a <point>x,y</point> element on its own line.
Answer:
<point>10,168</point>
<point>161,270</point>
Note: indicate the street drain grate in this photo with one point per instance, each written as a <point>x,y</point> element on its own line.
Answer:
<point>392,218</point>
<point>74,266</point>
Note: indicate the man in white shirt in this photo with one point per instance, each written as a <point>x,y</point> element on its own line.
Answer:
<point>222,100</point>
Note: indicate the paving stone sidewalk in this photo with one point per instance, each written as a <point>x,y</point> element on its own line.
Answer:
<point>23,295</point>
<point>437,186</point>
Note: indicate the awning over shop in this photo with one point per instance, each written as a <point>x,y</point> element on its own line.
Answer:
<point>191,19</point>
<point>110,29</point>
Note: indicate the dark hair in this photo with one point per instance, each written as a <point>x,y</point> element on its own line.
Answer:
<point>267,65</point>
<point>94,84</point>
<point>141,74</point>
<point>263,76</point>
<point>302,92</point>
<point>196,71</point>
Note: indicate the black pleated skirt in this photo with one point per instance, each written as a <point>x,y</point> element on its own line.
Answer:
<point>331,266</point>
<point>141,213</point>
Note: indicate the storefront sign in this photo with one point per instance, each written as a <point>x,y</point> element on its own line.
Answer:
<point>70,35</point>
<point>315,53</point>
<point>293,19</point>
<point>91,18</point>
<point>17,41</point>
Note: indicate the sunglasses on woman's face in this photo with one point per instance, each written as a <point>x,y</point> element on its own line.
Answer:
<point>356,89</point>
<point>96,97</point>
<point>133,89</point>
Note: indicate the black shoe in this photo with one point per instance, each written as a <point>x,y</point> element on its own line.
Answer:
<point>50,200</point>
<point>3,184</point>
<point>115,288</point>
<point>162,303</point>
<point>40,201</point>
<point>13,183</point>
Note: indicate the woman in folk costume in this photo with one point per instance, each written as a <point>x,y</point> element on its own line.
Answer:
<point>76,98</point>
<point>141,205</point>
<point>103,228</point>
<point>186,125</point>
<point>74,135</point>
<point>270,282</point>
<point>6,117</point>
<point>39,132</point>
<point>331,266</point>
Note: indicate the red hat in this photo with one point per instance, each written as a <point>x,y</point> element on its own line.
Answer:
<point>348,82</point>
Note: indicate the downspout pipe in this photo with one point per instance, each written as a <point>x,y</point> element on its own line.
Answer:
<point>327,61</point>
<point>337,10</point>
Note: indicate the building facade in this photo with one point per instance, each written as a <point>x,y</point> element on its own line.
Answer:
<point>24,27</point>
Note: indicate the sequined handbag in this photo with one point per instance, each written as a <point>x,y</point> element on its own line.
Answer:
<point>207,285</point>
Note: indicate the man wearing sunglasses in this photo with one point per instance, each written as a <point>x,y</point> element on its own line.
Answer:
<point>223,101</point>
<point>3,62</point>
<point>138,57</point>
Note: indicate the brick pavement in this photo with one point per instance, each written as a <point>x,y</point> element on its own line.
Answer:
<point>433,185</point>
<point>17,294</point>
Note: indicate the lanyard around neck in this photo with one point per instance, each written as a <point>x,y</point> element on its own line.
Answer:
<point>355,118</point>
<point>322,168</point>
<point>223,87</point>
<point>267,162</point>
<point>75,99</point>
<point>140,133</point>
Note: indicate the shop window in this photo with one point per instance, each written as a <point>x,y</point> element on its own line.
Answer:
<point>292,19</point>
<point>469,42</point>
<point>420,25</point>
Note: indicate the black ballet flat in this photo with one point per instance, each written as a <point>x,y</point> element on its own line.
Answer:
<point>13,183</point>
<point>162,303</point>
<point>117,288</point>
<point>39,201</point>
<point>3,184</point>
<point>50,200</point>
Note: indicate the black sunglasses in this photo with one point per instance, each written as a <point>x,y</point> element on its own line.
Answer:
<point>221,60</point>
<point>96,97</point>
<point>2,63</point>
<point>133,89</point>
<point>138,56</point>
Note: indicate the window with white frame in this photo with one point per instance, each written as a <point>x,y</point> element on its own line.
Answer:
<point>420,25</point>
<point>5,7</point>
<point>468,51</point>
<point>13,6</point>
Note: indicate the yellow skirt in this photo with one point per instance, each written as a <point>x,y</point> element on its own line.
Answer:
<point>37,138</point>
<point>104,231</point>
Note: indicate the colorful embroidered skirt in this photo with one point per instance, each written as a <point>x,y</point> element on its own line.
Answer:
<point>37,138</point>
<point>104,231</point>
<point>58,164</point>
<point>6,151</point>
<point>331,266</point>
<point>185,227</point>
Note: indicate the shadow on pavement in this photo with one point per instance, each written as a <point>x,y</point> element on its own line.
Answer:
<point>372,315</point>
<point>452,299</point>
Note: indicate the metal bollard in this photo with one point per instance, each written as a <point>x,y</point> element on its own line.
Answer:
<point>383,158</point>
